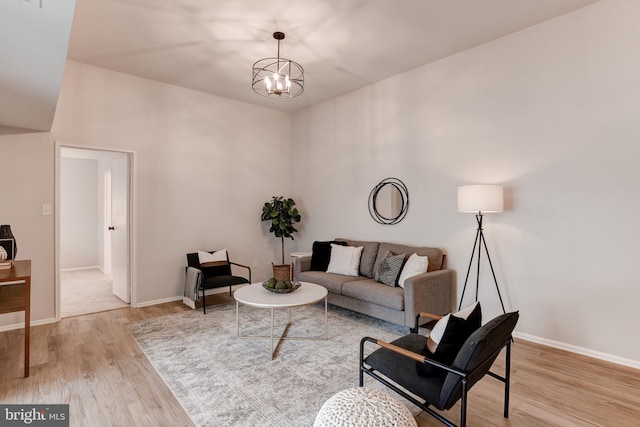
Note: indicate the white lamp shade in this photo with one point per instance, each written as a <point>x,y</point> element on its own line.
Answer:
<point>480,198</point>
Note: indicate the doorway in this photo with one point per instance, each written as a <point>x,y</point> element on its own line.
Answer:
<point>93,231</point>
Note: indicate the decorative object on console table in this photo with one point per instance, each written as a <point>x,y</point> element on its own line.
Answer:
<point>283,214</point>
<point>7,251</point>
<point>480,199</point>
<point>8,247</point>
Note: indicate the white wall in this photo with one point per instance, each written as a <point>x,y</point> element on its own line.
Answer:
<point>79,213</point>
<point>27,170</point>
<point>550,113</point>
<point>203,167</point>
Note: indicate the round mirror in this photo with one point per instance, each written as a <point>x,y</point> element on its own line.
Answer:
<point>389,201</point>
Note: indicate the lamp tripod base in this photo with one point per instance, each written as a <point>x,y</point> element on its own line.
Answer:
<point>480,243</point>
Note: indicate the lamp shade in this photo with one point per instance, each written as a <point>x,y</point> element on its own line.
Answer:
<point>480,198</point>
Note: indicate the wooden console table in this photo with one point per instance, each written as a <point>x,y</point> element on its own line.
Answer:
<point>17,297</point>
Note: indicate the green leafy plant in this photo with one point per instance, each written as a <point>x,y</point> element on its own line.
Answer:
<point>283,214</point>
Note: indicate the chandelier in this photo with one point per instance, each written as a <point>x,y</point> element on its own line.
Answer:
<point>278,77</point>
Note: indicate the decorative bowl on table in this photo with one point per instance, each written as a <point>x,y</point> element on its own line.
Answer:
<point>280,286</point>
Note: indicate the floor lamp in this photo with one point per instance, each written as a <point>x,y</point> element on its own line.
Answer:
<point>480,199</point>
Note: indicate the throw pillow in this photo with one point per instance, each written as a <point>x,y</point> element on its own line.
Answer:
<point>344,260</point>
<point>448,336</point>
<point>210,260</point>
<point>321,254</point>
<point>389,268</point>
<point>415,265</point>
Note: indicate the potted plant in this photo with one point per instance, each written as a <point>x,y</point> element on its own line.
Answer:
<point>283,214</point>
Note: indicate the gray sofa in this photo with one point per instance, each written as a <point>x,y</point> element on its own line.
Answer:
<point>431,292</point>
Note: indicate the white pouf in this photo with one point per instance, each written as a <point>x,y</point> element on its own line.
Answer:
<point>360,406</point>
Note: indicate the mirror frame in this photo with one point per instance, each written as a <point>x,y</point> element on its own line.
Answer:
<point>404,195</point>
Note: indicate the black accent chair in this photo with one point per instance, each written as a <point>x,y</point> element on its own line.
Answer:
<point>216,275</point>
<point>394,365</point>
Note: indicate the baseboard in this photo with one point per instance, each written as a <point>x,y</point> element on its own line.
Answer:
<point>580,350</point>
<point>223,289</point>
<point>172,299</point>
<point>81,268</point>
<point>21,324</point>
<point>158,301</point>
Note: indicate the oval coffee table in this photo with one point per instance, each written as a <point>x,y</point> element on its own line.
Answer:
<point>256,296</point>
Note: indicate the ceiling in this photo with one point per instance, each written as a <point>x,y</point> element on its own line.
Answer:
<point>35,36</point>
<point>343,45</point>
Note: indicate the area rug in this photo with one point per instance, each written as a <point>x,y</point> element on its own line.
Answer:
<point>221,380</point>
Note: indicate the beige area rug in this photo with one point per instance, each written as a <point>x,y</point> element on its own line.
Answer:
<point>221,380</point>
<point>87,291</point>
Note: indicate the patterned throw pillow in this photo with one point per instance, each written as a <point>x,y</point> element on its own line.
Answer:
<point>448,336</point>
<point>389,268</point>
<point>215,259</point>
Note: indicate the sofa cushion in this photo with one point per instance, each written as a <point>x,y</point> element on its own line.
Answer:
<point>368,290</point>
<point>368,258</point>
<point>435,255</point>
<point>333,282</point>
<point>344,260</point>
<point>321,254</point>
<point>389,268</point>
<point>414,266</point>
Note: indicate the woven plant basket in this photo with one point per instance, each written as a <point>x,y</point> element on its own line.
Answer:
<point>281,272</point>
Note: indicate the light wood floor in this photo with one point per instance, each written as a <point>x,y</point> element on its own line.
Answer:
<point>92,363</point>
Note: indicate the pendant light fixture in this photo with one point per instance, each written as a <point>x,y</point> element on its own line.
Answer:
<point>278,77</point>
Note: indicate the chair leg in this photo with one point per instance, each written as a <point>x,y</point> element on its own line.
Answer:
<point>361,363</point>
<point>204,303</point>
<point>229,290</point>
<point>507,377</point>
<point>463,404</point>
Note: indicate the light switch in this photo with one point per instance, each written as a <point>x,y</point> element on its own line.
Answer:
<point>35,3</point>
<point>46,209</point>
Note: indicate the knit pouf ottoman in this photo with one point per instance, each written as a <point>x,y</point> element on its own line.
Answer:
<point>360,406</point>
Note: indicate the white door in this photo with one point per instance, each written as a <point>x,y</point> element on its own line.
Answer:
<point>120,228</point>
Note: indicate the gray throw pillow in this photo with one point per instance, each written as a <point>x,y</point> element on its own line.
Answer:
<point>389,268</point>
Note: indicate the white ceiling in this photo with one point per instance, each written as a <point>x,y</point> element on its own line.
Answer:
<point>33,51</point>
<point>211,45</point>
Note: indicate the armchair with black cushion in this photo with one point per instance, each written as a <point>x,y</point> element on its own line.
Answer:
<point>400,365</point>
<point>216,274</point>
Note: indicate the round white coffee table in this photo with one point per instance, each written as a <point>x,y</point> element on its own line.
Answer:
<point>256,296</point>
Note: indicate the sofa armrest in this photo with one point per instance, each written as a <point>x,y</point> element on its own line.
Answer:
<point>431,292</point>
<point>301,264</point>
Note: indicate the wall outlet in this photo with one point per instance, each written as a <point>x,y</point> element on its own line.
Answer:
<point>46,209</point>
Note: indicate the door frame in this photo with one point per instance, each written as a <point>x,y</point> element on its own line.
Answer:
<point>130,214</point>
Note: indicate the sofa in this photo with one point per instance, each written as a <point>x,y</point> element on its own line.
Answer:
<point>431,291</point>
